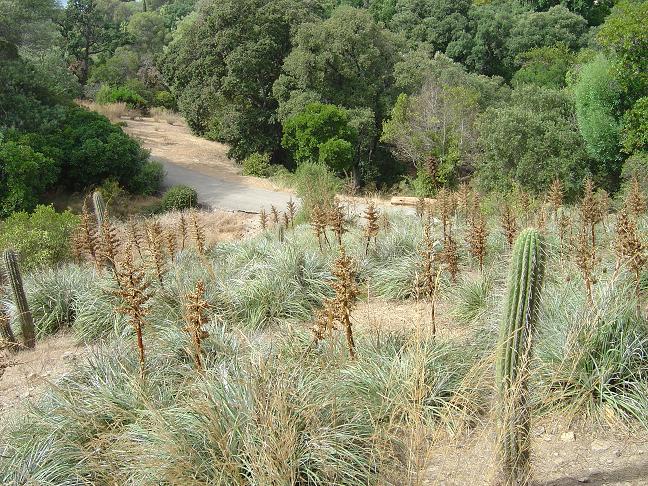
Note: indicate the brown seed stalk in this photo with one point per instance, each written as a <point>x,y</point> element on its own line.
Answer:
<point>157,252</point>
<point>555,196</point>
<point>198,231</point>
<point>372,227</point>
<point>585,258</point>
<point>635,200</point>
<point>509,224</point>
<point>196,317</point>
<point>182,230</point>
<point>477,236</point>
<point>133,292</point>
<point>346,294</point>
<point>292,211</point>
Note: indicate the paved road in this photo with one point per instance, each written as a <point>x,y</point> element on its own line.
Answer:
<point>220,193</point>
<point>204,165</point>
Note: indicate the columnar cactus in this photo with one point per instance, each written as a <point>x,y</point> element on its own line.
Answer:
<point>6,333</point>
<point>24,314</point>
<point>99,208</point>
<point>516,335</point>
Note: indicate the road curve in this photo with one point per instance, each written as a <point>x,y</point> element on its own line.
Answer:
<point>222,193</point>
<point>204,165</point>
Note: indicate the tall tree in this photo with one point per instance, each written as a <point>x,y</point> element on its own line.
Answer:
<point>597,95</point>
<point>625,35</point>
<point>346,60</point>
<point>222,69</point>
<point>87,32</point>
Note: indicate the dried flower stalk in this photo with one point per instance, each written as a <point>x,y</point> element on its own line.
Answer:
<point>133,291</point>
<point>196,308</point>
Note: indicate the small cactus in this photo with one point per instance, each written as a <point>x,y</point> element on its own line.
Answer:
<point>516,335</point>
<point>26,320</point>
<point>99,208</point>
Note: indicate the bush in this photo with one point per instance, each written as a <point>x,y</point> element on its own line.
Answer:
<point>120,94</point>
<point>257,165</point>
<point>149,180</point>
<point>316,185</point>
<point>179,197</point>
<point>24,175</point>
<point>164,99</point>
<point>41,238</point>
<point>89,149</point>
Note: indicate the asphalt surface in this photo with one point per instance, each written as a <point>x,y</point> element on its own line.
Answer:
<point>221,193</point>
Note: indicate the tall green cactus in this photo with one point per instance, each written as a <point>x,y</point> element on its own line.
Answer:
<point>5,327</point>
<point>99,209</point>
<point>516,336</point>
<point>24,314</point>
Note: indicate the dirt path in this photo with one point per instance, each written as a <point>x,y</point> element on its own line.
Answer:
<point>204,165</point>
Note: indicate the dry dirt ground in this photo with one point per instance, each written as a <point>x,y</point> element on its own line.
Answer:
<point>562,455</point>
<point>204,165</point>
<point>28,372</point>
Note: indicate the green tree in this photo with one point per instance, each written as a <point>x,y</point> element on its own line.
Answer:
<point>434,130</point>
<point>597,97</point>
<point>635,127</point>
<point>148,32</point>
<point>531,141</point>
<point>624,33</point>
<point>224,85</point>
<point>88,32</point>
<point>321,133</point>
<point>594,11</point>
<point>544,29</point>
<point>544,66</point>
<point>484,48</point>
<point>346,60</point>
<point>24,176</point>
<point>435,22</point>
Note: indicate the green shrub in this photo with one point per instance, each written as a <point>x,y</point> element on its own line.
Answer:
<point>120,94</point>
<point>257,165</point>
<point>424,184</point>
<point>41,238</point>
<point>316,185</point>
<point>165,99</point>
<point>149,180</point>
<point>179,197</point>
<point>24,175</point>
<point>88,150</point>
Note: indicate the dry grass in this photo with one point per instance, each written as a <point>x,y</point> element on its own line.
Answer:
<point>163,115</point>
<point>115,112</point>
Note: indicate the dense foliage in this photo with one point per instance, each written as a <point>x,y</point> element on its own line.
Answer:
<point>41,238</point>
<point>430,92</point>
<point>48,142</point>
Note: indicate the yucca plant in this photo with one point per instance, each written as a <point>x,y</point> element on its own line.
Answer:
<point>517,331</point>
<point>20,298</point>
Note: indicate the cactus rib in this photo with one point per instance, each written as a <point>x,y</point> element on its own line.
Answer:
<point>516,336</point>
<point>24,314</point>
